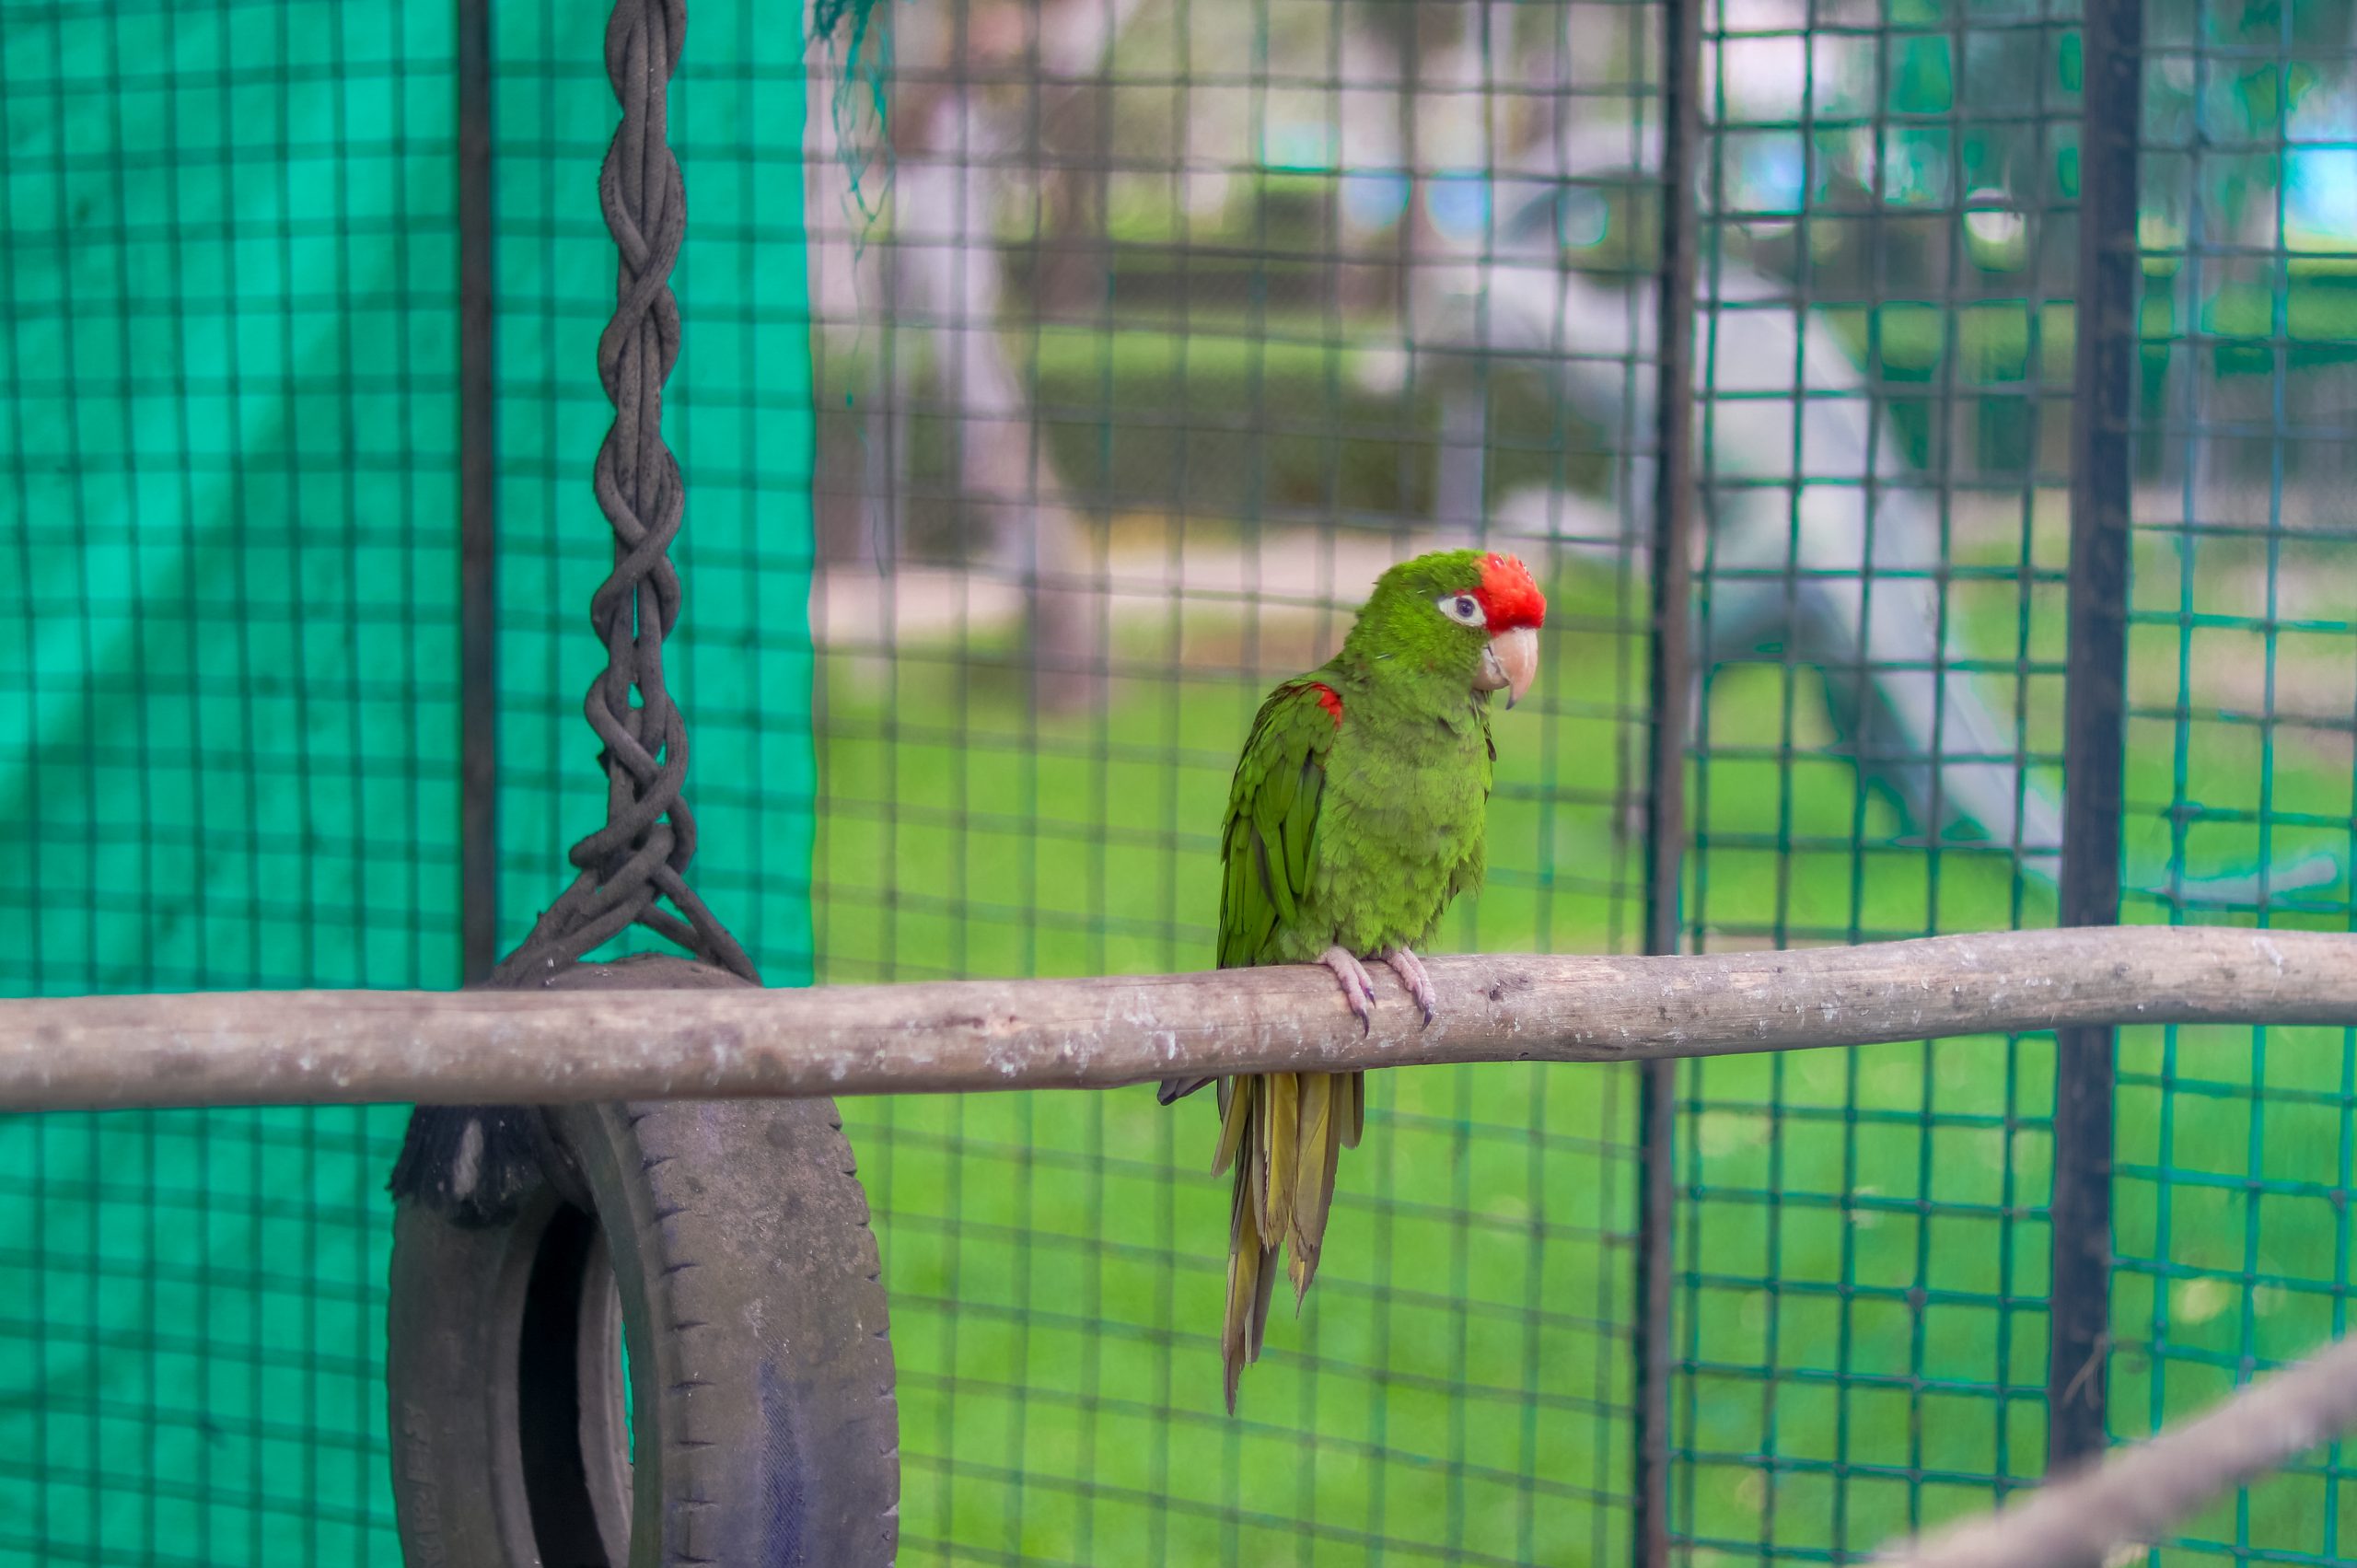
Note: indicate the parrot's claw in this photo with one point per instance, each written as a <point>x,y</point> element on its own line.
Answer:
<point>1410,970</point>
<point>1357,989</point>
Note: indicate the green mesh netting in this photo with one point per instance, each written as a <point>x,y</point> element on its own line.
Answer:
<point>229,492</point>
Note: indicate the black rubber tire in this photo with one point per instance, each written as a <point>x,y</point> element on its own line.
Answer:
<point>744,1278</point>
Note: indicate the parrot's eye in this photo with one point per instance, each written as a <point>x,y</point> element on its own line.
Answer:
<point>1463,608</point>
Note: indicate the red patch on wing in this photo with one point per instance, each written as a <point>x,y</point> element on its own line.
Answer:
<point>1510,597</point>
<point>1329,699</point>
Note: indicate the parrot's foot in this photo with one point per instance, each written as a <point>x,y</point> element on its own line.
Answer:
<point>1410,970</point>
<point>1357,989</point>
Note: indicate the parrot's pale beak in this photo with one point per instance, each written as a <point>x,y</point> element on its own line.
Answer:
<point>1510,663</point>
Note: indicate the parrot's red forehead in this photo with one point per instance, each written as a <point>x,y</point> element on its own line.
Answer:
<point>1509,597</point>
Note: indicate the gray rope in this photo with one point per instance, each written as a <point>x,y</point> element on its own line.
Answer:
<point>639,858</point>
<point>474,1163</point>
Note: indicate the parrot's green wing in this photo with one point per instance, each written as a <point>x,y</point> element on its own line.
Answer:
<point>1269,844</point>
<point>1283,1130</point>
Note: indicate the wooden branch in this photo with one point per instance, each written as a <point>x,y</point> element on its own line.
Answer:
<point>2144,1494</point>
<point>543,1047</point>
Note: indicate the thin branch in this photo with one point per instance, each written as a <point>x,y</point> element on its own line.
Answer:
<point>256,1048</point>
<point>2145,1493</point>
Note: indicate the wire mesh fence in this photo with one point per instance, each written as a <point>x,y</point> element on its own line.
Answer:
<point>1177,324</point>
<point>1885,401</point>
<point>1055,376</point>
<point>2233,1145</point>
<point>228,364</point>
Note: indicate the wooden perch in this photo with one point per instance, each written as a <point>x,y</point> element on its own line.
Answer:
<point>2141,1494</point>
<point>255,1048</point>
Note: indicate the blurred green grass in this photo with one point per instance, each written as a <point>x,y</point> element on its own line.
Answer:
<point>1862,1251</point>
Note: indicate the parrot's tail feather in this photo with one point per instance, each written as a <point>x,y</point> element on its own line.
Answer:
<point>1244,1260</point>
<point>1232,1119</point>
<point>1312,1244</point>
<point>1285,1133</point>
<point>1264,1281</point>
<point>1313,1185</point>
<point>1281,1093</point>
<point>1172,1090</point>
<point>1252,1176</point>
<point>1250,1275</point>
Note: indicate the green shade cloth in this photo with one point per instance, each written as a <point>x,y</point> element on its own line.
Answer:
<point>228,498</point>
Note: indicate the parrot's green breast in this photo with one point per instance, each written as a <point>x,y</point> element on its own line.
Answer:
<point>1407,805</point>
<point>1397,790</point>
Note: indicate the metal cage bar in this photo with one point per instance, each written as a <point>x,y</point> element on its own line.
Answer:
<point>478,497</point>
<point>1669,687</point>
<point>2095,711</point>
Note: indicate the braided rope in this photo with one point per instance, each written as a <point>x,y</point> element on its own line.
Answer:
<point>640,857</point>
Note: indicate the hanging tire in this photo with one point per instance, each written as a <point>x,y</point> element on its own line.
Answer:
<point>726,1245</point>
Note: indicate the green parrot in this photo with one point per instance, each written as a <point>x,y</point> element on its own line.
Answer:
<point>1357,814</point>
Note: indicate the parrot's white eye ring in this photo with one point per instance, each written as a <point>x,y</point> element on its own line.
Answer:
<point>1463,608</point>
